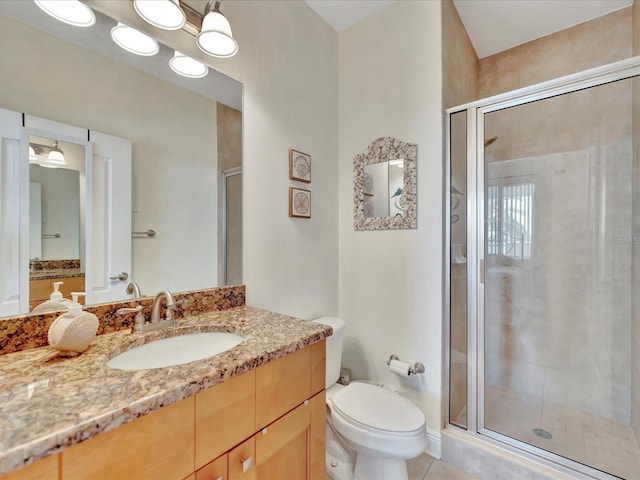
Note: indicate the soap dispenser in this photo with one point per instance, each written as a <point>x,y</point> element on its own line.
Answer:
<point>56,301</point>
<point>73,331</point>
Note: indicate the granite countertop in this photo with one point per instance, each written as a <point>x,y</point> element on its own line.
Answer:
<point>48,402</point>
<point>55,273</point>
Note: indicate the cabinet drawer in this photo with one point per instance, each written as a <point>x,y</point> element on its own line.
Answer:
<point>281,448</point>
<point>39,290</point>
<point>225,415</point>
<point>157,445</point>
<point>45,469</point>
<point>281,385</point>
<point>242,461</point>
<point>216,470</point>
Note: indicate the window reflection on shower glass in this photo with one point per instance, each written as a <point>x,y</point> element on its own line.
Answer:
<point>458,285</point>
<point>562,276</point>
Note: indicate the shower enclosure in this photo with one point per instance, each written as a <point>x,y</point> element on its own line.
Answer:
<point>544,271</point>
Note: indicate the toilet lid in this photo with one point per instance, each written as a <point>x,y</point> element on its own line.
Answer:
<point>378,408</point>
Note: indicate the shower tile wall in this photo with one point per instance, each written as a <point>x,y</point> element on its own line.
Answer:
<point>590,44</point>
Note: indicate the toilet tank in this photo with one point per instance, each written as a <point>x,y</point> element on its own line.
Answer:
<point>334,348</point>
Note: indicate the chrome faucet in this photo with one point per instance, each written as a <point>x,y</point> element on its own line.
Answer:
<point>168,321</point>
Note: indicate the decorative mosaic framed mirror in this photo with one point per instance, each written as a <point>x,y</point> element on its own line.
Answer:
<point>385,186</point>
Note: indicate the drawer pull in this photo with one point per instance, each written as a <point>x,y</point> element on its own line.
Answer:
<point>247,464</point>
<point>220,478</point>
<point>264,431</point>
<point>306,403</point>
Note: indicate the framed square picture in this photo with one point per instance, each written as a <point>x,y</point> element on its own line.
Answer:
<point>299,166</point>
<point>299,203</point>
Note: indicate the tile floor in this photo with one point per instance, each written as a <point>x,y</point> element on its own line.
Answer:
<point>583,437</point>
<point>428,468</point>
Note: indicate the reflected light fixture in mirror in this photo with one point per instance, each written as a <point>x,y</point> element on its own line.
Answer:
<point>56,156</point>
<point>165,14</point>
<point>72,12</point>
<point>187,66</point>
<point>215,37</point>
<point>134,41</point>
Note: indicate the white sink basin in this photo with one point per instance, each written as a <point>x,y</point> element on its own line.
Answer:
<point>175,350</point>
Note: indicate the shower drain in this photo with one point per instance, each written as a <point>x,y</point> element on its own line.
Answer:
<point>542,433</point>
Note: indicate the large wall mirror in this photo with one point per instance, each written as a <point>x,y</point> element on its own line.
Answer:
<point>385,186</point>
<point>185,140</point>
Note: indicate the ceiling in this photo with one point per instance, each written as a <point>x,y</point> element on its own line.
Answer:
<point>492,25</point>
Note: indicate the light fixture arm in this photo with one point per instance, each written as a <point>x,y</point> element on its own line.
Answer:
<point>216,7</point>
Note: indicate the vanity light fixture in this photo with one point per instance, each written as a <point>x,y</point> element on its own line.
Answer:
<point>187,66</point>
<point>72,12</point>
<point>165,14</point>
<point>134,41</point>
<point>215,37</point>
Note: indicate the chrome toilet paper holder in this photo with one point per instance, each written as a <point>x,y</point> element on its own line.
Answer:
<point>418,367</point>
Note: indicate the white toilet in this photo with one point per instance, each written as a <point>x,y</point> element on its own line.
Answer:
<point>367,424</point>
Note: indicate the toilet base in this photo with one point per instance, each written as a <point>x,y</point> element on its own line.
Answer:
<point>375,468</point>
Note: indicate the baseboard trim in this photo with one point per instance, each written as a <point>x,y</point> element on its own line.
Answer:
<point>434,446</point>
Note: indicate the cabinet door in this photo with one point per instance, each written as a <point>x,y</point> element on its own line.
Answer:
<point>70,284</point>
<point>281,385</point>
<point>225,415</point>
<point>318,367</point>
<point>216,470</point>
<point>156,446</point>
<point>242,462</point>
<point>45,469</point>
<point>282,447</point>
<point>317,442</point>
<point>39,290</point>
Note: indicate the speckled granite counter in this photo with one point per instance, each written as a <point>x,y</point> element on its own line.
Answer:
<point>55,273</point>
<point>48,403</point>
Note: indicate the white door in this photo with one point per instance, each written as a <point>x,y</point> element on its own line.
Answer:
<point>111,230</point>
<point>10,123</point>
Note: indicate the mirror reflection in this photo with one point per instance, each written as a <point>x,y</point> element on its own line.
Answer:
<point>185,137</point>
<point>383,188</point>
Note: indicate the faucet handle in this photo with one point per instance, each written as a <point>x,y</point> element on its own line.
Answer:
<point>139,316</point>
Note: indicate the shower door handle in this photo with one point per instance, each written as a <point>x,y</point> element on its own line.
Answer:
<point>482,272</point>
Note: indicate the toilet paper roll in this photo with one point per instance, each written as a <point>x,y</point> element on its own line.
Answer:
<point>399,368</point>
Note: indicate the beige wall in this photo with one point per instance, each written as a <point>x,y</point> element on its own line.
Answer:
<point>635,271</point>
<point>391,281</point>
<point>597,42</point>
<point>459,60</point>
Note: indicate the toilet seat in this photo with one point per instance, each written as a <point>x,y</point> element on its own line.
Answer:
<point>378,410</point>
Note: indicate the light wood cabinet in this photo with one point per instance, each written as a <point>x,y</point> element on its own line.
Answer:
<point>225,415</point>
<point>281,385</point>
<point>268,423</point>
<point>45,469</point>
<point>40,290</point>
<point>156,446</point>
<point>216,470</point>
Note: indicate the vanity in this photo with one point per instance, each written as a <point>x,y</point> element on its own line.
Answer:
<point>255,411</point>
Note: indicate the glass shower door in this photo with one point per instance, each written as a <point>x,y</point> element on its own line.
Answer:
<point>561,275</point>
